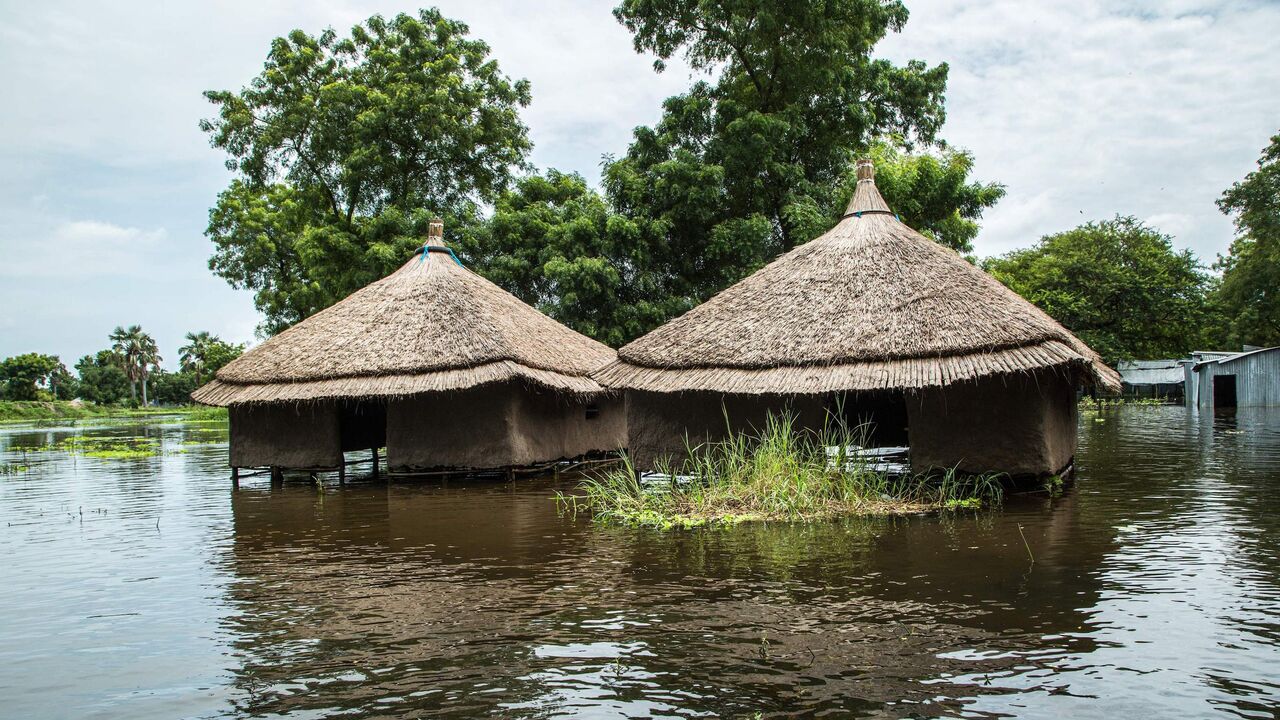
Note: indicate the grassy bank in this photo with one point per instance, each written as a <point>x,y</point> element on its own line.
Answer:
<point>779,474</point>
<point>23,411</point>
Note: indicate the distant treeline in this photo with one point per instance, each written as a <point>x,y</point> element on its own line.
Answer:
<point>127,373</point>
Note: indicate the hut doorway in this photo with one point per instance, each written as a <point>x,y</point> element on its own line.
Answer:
<point>362,425</point>
<point>882,415</point>
<point>1224,391</point>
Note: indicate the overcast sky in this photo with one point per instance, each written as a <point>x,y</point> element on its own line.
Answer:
<point>1084,109</point>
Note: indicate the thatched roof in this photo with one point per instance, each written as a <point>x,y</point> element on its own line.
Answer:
<point>871,304</point>
<point>430,326</point>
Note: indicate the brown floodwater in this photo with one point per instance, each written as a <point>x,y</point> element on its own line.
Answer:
<point>148,588</point>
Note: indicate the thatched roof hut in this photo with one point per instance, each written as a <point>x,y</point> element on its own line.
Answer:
<point>871,305</point>
<point>432,327</point>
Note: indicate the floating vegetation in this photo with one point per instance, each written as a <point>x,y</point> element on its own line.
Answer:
<point>12,469</point>
<point>779,474</point>
<point>109,448</point>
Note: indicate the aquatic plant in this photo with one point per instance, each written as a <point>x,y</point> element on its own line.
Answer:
<point>779,473</point>
<point>12,468</point>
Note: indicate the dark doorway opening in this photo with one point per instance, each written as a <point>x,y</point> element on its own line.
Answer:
<point>362,424</point>
<point>882,416</point>
<point>1224,391</point>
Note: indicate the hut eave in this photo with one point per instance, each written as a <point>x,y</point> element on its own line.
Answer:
<point>223,393</point>
<point>894,374</point>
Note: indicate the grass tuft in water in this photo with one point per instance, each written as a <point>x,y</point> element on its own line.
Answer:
<point>781,473</point>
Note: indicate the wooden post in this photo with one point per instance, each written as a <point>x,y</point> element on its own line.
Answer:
<point>235,478</point>
<point>375,461</point>
<point>277,475</point>
<point>342,472</point>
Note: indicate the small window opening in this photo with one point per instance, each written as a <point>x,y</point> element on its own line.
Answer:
<point>593,412</point>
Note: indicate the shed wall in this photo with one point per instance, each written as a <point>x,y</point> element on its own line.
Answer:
<point>289,435</point>
<point>1020,424</point>
<point>1257,379</point>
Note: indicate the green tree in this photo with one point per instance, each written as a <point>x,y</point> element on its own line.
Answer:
<point>931,192</point>
<point>205,354</point>
<point>555,243</point>
<point>139,357</point>
<point>1119,285</point>
<point>344,148</point>
<point>749,165</point>
<point>174,388</point>
<point>1249,295</point>
<point>102,381</point>
<point>25,375</point>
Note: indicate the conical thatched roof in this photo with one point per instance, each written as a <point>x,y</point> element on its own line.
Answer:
<point>871,304</point>
<point>430,326</point>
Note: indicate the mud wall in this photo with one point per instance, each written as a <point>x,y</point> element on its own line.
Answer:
<point>1021,424</point>
<point>289,435</point>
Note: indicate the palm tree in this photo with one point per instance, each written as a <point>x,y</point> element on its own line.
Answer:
<point>139,355</point>
<point>195,354</point>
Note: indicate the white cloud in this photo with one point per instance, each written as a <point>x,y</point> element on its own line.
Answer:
<point>80,248</point>
<point>1103,108</point>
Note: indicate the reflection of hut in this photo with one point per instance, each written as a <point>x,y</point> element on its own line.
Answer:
<point>906,333</point>
<point>444,368</point>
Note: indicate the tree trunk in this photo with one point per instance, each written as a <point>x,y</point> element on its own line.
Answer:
<point>144,391</point>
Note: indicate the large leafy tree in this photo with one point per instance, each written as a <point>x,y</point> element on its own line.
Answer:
<point>1249,295</point>
<point>749,164</point>
<point>344,148</point>
<point>556,244</point>
<point>1118,284</point>
<point>139,357</point>
<point>102,380</point>
<point>23,376</point>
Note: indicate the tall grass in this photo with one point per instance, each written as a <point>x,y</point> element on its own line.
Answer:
<point>780,473</point>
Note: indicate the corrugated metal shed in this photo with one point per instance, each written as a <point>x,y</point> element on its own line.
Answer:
<point>1245,379</point>
<point>1150,372</point>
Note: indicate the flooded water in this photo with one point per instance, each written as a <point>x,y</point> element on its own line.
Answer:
<point>148,588</point>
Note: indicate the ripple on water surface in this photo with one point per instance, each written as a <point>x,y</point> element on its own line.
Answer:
<point>146,587</point>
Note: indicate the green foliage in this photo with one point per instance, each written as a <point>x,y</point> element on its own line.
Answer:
<point>102,381</point>
<point>1249,296</point>
<point>1118,284</point>
<point>26,376</point>
<point>743,168</point>
<point>345,147</point>
<point>780,473</point>
<point>555,243</point>
<point>204,355</point>
<point>173,388</point>
<point>931,192</point>
<point>137,355</point>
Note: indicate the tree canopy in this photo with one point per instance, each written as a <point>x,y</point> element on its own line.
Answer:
<point>25,376</point>
<point>344,148</point>
<point>749,165</point>
<point>1249,295</point>
<point>1118,285</point>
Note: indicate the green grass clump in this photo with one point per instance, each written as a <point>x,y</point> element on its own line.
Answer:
<point>781,473</point>
<point>12,469</point>
<point>30,411</point>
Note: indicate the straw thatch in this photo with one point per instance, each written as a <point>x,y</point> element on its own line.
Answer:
<point>430,326</point>
<point>869,305</point>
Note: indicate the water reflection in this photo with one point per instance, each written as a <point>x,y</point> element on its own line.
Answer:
<point>1150,588</point>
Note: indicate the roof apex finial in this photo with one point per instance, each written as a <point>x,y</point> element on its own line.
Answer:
<point>866,169</point>
<point>435,228</point>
